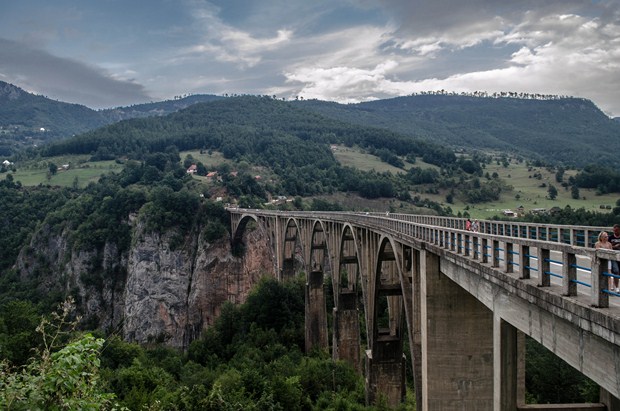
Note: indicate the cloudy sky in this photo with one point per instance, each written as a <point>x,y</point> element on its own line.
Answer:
<point>109,53</point>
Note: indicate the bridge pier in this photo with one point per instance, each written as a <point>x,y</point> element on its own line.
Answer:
<point>509,365</point>
<point>612,403</point>
<point>288,269</point>
<point>385,373</point>
<point>316,313</point>
<point>457,344</point>
<point>346,344</point>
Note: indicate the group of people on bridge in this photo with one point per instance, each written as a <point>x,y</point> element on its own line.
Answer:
<point>472,226</point>
<point>611,241</point>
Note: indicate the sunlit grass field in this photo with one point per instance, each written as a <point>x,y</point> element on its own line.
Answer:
<point>209,160</point>
<point>80,172</point>
<point>529,190</point>
<point>532,194</point>
<point>356,158</point>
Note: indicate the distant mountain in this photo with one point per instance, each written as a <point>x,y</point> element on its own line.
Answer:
<point>570,130</point>
<point>159,108</point>
<point>27,119</point>
<point>268,131</point>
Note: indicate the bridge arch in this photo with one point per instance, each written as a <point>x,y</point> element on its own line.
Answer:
<point>317,267</point>
<point>319,251</point>
<point>240,226</point>
<point>348,287</point>
<point>388,302</point>
<point>385,359</point>
<point>292,249</point>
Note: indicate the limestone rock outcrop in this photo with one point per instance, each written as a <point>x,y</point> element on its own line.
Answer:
<point>157,290</point>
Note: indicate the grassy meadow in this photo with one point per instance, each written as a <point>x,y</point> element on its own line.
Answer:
<point>528,190</point>
<point>80,171</point>
<point>209,159</point>
<point>356,158</point>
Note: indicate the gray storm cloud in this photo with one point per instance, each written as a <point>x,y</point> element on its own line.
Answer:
<point>69,80</point>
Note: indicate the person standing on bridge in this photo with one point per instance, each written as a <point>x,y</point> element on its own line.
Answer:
<point>475,226</point>
<point>603,243</point>
<point>614,239</point>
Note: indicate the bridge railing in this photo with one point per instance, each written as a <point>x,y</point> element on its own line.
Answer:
<point>581,236</point>
<point>576,268</point>
<point>548,254</point>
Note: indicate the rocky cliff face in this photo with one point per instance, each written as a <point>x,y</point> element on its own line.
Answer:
<point>153,291</point>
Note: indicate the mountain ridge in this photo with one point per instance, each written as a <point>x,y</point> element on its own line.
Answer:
<point>27,119</point>
<point>534,127</point>
<point>567,130</point>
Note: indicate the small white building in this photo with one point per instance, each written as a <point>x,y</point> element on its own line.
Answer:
<point>509,213</point>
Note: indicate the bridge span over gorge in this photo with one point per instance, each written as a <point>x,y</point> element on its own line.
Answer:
<point>465,301</point>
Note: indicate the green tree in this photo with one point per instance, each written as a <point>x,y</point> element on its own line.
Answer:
<point>61,377</point>
<point>553,192</point>
<point>18,321</point>
<point>559,175</point>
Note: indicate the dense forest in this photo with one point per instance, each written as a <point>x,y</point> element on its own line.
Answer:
<point>294,144</point>
<point>27,119</point>
<point>251,359</point>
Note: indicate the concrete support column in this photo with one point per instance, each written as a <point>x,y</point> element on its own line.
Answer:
<point>288,269</point>
<point>457,344</point>
<point>612,403</point>
<point>385,373</point>
<point>346,320</point>
<point>509,366</point>
<point>416,330</point>
<point>316,313</point>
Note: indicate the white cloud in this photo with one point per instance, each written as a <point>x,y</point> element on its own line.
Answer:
<point>561,53</point>
<point>347,84</point>
<point>228,44</point>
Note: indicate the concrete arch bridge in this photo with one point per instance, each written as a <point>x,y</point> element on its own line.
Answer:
<point>464,300</point>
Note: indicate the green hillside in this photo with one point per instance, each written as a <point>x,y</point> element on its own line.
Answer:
<point>303,149</point>
<point>569,130</point>
<point>572,131</point>
<point>28,120</point>
<point>266,131</point>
